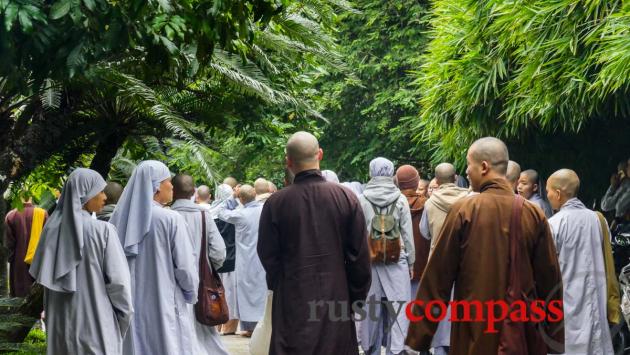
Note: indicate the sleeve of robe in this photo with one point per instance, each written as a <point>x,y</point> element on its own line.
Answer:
<point>357,255</point>
<point>437,279</point>
<point>9,237</point>
<point>118,282</point>
<point>216,245</point>
<point>269,247</point>
<point>406,232</point>
<point>227,215</point>
<point>548,279</point>
<point>425,230</point>
<point>186,274</point>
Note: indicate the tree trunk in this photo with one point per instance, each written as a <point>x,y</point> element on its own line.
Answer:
<point>105,152</point>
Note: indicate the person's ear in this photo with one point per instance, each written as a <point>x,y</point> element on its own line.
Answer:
<point>535,188</point>
<point>485,167</point>
<point>289,161</point>
<point>320,154</point>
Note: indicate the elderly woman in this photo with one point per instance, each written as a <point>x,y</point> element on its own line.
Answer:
<point>390,280</point>
<point>81,264</point>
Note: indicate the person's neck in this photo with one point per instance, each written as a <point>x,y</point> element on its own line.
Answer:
<point>157,199</point>
<point>296,170</point>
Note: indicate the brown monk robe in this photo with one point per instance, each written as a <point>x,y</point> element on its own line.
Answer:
<point>473,251</point>
<point>17,229</point>
<point>313,245</point>
<point>407,178</point>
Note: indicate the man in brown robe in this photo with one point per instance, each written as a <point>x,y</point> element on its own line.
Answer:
<point>17,227</point>
<point>473,251</point>
<point>313,245</point>
<point>408,180</point>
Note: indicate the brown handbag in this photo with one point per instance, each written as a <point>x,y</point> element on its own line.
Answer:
<point>518,338</point>
<point>211,307</point>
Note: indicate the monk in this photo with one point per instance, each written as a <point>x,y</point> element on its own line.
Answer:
<point>18,228</point>
<point>435,211</point>
<point>579,235</point>
<point>513,173</point>
<point>203,196</point>
<point>112,191</point>
<point>528,188</point>
<point>313,245</point>
<point>408,180</point>
<point>433,185</point>
<point>473,251</point>
<point>250,275</point>
<point>423,188</point>
<point>263,189</point>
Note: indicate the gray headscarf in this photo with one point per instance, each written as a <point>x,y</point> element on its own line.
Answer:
<point>330,176</point>
<point>381,167</point>
<point>224,192</point>
<point>132,216</point>
<point>61,244</point>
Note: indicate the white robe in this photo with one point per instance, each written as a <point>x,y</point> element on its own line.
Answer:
<point>94,318</point>
<point>251,284</point>
<point>207,339</point>
<point>164,280</point>
<point>578,237</point>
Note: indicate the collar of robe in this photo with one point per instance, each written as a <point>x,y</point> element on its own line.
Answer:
<point>497,186</point>
<point>307,175</point>
<point>572,203</point>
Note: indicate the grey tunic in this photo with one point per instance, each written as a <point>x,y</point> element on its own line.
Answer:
<point>164,280</point>
<point>578,236</point>
<point>207,338</point>
<point>390,281</point>
<point>251,287</point>
<point>94,318</point>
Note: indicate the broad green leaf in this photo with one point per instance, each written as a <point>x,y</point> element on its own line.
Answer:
<point>60,9</point>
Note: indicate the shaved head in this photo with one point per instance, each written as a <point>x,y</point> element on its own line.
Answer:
<point>303,152</point>
<point>230,181</point>
<point>203,193</point>
<point>565,180</point>
<point>423,187</point>
<point>445,173</point>
<point>183,186</point>
<point>487,160</point>
<point>513,171</point>
<point>113,190</point>
<point>261,186</point>
<point>531,175</point>
<point>247,194</point>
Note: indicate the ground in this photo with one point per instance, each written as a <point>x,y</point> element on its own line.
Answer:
<point>236,344</point>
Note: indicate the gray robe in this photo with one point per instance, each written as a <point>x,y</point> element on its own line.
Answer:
<point>543,204</point>
<point>389,281</point>
<point>207,338</point>
<point>251,287</point>
<point>164,281</point>
<point>95,318</point>
<point>578,237</point>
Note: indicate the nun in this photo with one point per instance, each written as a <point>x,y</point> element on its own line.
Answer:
<point>159,251</point>
<point>82,266</point>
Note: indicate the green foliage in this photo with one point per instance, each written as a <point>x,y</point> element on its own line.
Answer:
<point>381,44</point>
<point>508,68</point>
<point>35,343</point>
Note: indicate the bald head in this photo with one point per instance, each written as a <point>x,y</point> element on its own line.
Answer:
<point>531,175</point>
<point>492,151</point>
<point>303,152</point>
<point>203,194</point>
<point>247,194</point>
<point>261,186</point>
<point>513,172</point>
<point>445,173</point>
<point>113,190</point>
<point>230,181</point>
<point>183,186</point>
<point>423,187</point>
<point>566,181</point>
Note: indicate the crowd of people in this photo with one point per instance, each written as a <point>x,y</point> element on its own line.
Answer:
<point>120,265</point>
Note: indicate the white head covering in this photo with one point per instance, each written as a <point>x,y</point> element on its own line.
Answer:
<point>61,245</point>
<point>224,192</point>
<point>355,186</point>
<point>330,176</point>
<point>381,167</point>
<point>132,216</point>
